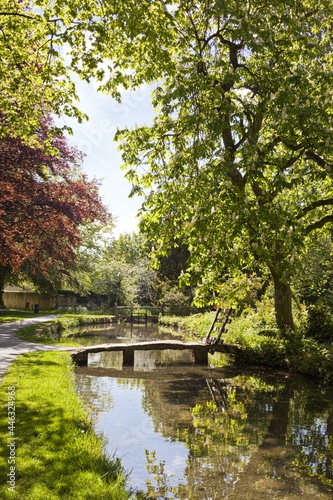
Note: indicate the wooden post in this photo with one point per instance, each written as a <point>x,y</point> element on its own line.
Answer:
<point>128,356</point>
<point>131,314</point>
<point>80,358</point>
<point>200,356</point>
<point>146,317</point>
<point>116,312</point>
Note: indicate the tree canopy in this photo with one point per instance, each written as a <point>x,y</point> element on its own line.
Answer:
<point>44,200</point>
<point>129,247</point>
<point>34,78</point>
<point>238,163</point>
<point>120,271</point>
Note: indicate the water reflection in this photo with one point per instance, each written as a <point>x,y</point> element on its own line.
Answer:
<point>200,433</point>
<point>143,360</point>
<point>122,333</point>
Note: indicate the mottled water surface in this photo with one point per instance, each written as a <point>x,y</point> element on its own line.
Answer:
<point>201,433</point>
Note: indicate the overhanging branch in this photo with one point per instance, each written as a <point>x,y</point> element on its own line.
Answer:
<point>320,223</point>
<point>314,157</point>
<point>314,205</point>
<point>17,14</point>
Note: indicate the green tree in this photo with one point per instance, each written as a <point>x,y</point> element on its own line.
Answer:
<point>238,163</point>
<point>95,238</point>
<point>173,264</point>
<point>313,280</point>
<point>116,280</point>
<point>145,282</point>
<point>242,142</point>
<point>129,253</point>
<point>34,78</point>
<point>128,246</point>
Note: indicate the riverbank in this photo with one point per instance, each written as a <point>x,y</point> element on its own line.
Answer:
<point>11,346</point>
<point>57,331</point>
<point>263,347</point>
<point>48,445</point>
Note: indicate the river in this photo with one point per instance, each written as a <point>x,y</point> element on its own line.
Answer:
<point>202,433</point>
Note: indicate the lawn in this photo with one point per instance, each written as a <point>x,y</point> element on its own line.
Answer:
<point>47,442</point>
<point>66,321</point>
<point>16,315</point>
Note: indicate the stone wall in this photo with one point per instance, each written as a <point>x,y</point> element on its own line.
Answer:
<point>27,300</point>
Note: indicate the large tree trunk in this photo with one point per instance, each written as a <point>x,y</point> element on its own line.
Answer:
<point>4,271</point>
<point>283,305</point>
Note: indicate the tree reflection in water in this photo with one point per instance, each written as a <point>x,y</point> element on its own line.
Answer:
<point>247,436</point>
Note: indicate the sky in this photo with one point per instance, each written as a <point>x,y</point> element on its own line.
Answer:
<point>95,139</point>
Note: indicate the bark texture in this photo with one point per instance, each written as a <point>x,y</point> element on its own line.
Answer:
<point>283,303</point>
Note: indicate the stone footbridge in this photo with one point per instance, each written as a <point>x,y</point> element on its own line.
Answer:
<point>200,350</point>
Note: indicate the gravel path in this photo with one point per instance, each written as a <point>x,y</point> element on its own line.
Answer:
<point>11,346</point>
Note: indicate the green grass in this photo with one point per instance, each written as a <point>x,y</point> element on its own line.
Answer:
<point>196,325</point>
<point>28,333</point>
<point>66,321</point>
<point>263,345</point>
<point>16,315</point>
<point>57,453</point>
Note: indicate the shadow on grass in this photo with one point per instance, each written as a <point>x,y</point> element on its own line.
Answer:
<point>57,454</point>
<point>16,315</point>
<point>27,333</point>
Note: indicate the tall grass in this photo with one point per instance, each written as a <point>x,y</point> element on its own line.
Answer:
<point>256,331</point>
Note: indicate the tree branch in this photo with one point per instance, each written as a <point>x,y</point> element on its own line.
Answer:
<point>235,46</point>
<point>315,204</point>
<point>320,223</point>
<point>316,158</point>
<point>291,146</point>
<point>4,271</point>
<point>16,14</point>
<point>227,133</point>
<point>258,192</point>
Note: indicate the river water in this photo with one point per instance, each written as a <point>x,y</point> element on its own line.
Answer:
<point>202,433</point>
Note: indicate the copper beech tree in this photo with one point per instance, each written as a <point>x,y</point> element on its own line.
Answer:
<point>44,199</point>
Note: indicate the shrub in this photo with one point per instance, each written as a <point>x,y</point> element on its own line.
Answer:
<point>319,323</point>
<point>268,352</point>
<point>175,302</point>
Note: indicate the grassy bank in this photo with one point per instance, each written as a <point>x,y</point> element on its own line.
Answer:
<point>263,345</point>
<point>56,453</point>
<point>53,332</point>
<point>17,315</point>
